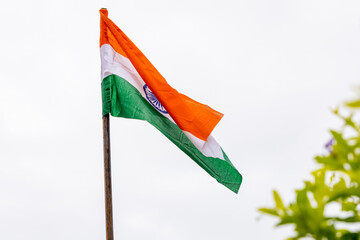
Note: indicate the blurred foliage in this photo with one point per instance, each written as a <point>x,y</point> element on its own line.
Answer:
<point>336,183</point>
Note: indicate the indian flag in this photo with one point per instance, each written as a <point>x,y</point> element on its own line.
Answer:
<point>133,88</point>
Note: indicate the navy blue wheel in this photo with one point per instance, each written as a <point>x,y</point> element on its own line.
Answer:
<point>153,100</point>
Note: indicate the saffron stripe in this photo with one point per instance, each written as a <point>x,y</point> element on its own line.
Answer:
<point>191,116</point>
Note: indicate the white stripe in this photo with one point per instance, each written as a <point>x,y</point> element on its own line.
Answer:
<point>209,148</point>
<point>114,63</point>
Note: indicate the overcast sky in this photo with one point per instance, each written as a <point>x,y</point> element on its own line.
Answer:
<point>274,68</point>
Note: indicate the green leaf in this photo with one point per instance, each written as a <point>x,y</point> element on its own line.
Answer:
<point>353,104</point>
<point>349,206</point>
<point>341,143</point>
<point>350,122</point>
<point>286,220</point>
<point>302,200</point>
<point>329,162</point>
<point>269,211</point>
<point>350,236</point>
<point>278,202</point>
<point>293,238</point>
<point>348,219</point>
<point>340,186</point>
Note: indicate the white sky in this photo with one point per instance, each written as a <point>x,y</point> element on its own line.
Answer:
<point>274,68</point>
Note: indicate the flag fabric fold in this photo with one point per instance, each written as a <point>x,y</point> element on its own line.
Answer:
<point>133,88</point>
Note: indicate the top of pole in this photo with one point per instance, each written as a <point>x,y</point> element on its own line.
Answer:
<point>104,11</point>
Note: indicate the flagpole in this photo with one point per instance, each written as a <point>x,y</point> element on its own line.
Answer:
<point>107,175</point>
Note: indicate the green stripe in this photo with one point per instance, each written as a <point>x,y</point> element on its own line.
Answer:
<point>121,99</point>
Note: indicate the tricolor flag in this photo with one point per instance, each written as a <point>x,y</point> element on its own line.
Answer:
<point>133,88</point>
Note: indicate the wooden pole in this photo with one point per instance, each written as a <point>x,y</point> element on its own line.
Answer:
<point>107,175</point>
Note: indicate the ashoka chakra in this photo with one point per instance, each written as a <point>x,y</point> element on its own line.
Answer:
<point>153,100</point>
